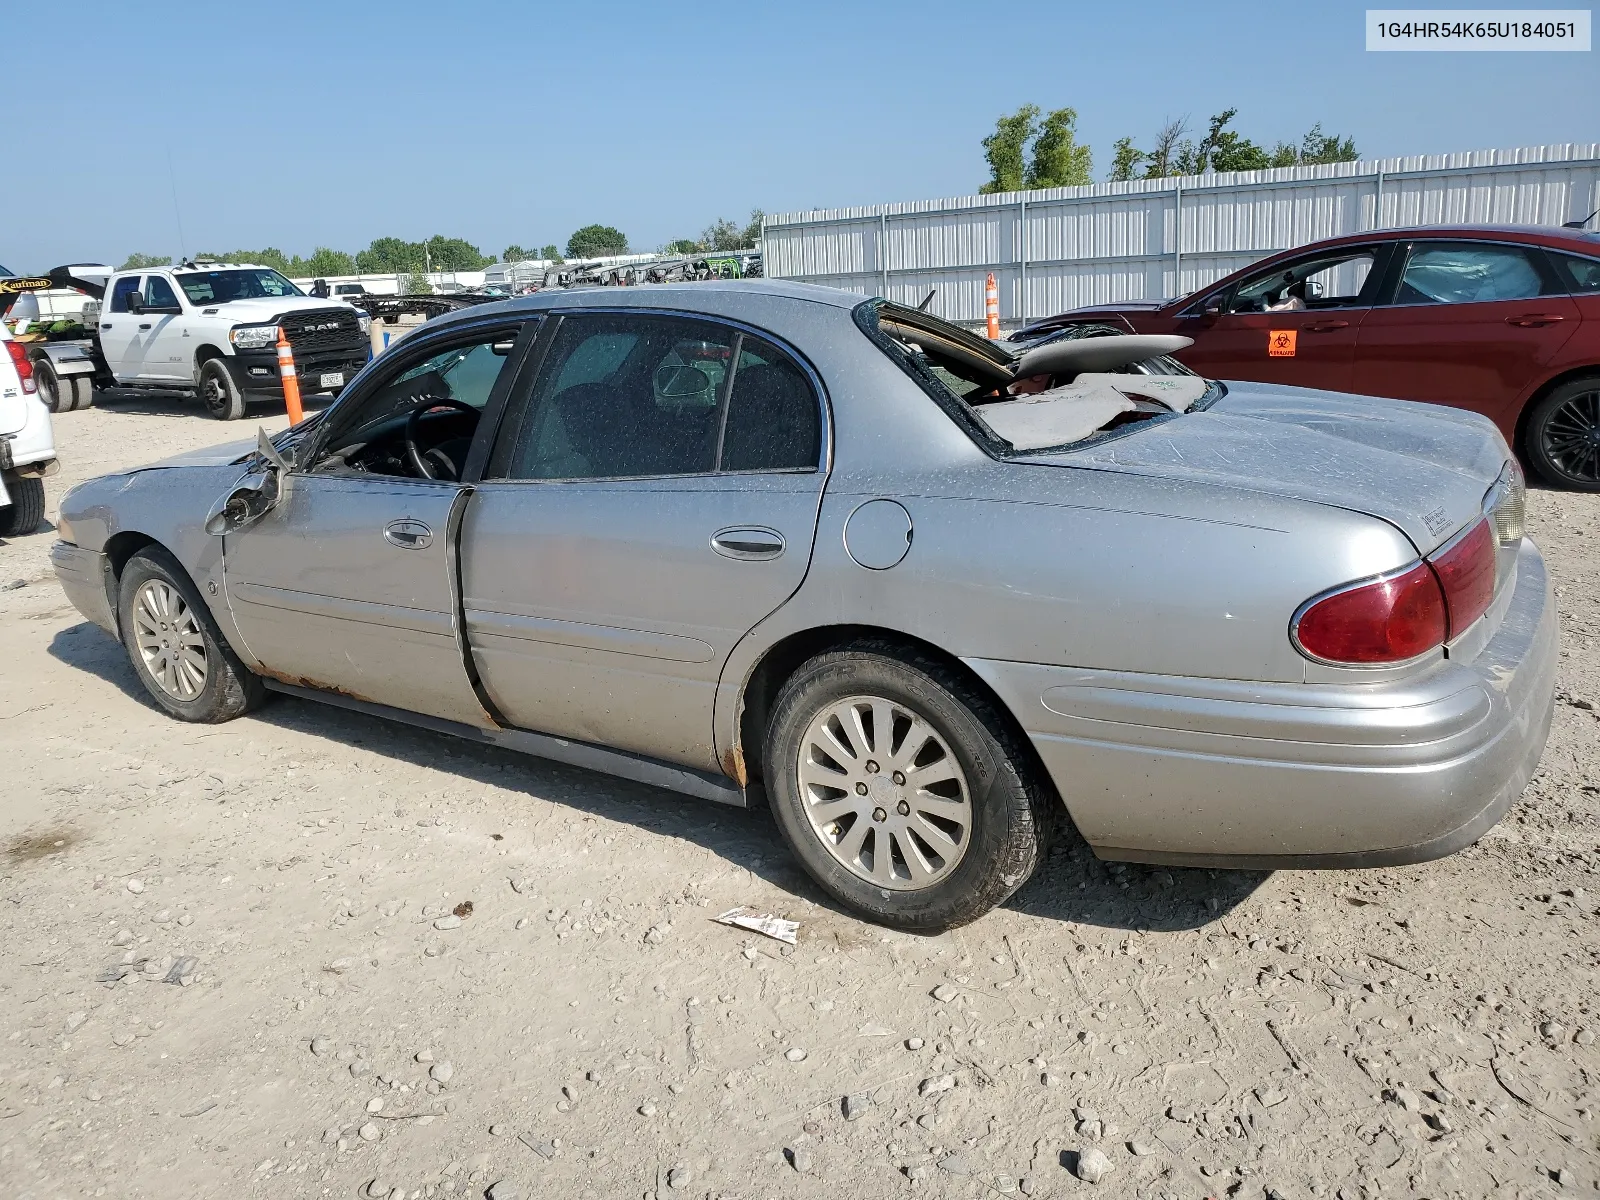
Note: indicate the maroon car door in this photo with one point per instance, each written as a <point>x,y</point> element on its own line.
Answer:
<point>1471,324</point>
<point>1293,323</point>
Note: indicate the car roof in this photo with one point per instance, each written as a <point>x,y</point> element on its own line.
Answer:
<point>709,296</point>
<point>1577,239</point>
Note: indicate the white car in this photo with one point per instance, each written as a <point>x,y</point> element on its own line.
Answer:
<point>27,442</point>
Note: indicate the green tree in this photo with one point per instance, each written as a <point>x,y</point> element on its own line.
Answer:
<point>325,261</point>
<point>1161,160</point>
<point>683,246</point>
<point>515,253</point>
<point>596,241</point>
<point>752,231</point>
<point>389,256</point>
<point>1318,147</point>
<point>1058,160</point>
<point>1005,149</point>
<point>551,253</point>
<point>454,254</point>
<point>1125,162</point>
<point>722,234</point>
<point>415,284</point>
<point>138,262</point>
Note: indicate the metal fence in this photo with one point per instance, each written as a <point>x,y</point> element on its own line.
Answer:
<point>1060,248</point>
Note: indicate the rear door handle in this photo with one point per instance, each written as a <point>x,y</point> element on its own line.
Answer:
<point>1533,320</point>
<point>408,534</point>
<point>144,327</point>
<point>1327,326</point>
<point>748,542</point>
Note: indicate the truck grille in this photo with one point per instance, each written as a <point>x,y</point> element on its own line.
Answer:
<point>322,329</point>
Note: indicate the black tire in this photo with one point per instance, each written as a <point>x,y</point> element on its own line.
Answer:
<point>219,393</point>
<point>229,689</point>
<point>25,513</point>
<point>1562,436</point>
<point>82,391</point>
<point>56,394</point>
<point>1011,809</point>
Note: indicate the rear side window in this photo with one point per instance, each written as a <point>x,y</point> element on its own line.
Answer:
<point>1468,273</point>
<point>1578,273</point>
<point>127,286</point>
<point>774,419</point>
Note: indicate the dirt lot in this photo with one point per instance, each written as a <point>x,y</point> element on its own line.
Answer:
<point>587,1030</point>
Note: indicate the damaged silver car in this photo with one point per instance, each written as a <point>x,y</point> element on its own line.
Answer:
<point>769,543</point>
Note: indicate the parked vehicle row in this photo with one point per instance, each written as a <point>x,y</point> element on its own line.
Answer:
<point>774,543</point>
<point>1499,320</point>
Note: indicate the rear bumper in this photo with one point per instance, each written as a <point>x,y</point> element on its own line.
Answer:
<point>1250,775</point>
<point>85,576</point>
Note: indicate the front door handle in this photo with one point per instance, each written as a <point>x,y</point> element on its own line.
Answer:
<point>1327,326</point>
<point>748,542</point>
<point>145,326</point>
<point>408,534</point>
<point>1533,320</point>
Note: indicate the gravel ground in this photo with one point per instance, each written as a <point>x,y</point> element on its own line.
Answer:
<point>584,1028</point>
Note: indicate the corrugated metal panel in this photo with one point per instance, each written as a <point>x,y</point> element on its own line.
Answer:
<point>1161,237</point>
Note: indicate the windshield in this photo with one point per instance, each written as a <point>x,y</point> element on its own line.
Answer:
<point>251,283</point>
<point>6,273</point>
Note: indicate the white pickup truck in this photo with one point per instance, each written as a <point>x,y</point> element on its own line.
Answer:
<point>206,328</point>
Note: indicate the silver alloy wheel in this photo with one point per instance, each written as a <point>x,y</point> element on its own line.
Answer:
<point>1571,436</point>
<point>884,793</point>
<point>170,639</point>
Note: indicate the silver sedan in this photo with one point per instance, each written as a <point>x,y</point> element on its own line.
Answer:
<point>776,544</point>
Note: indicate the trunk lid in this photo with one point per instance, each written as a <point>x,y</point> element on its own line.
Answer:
<point>1421,467</point>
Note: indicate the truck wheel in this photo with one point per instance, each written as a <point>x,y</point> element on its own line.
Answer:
<point>26,509</point>
<point>57,396</point>
<point>900,789</point>
<point>82,391</point>
<point>219,393</point>
<point>176,649</point>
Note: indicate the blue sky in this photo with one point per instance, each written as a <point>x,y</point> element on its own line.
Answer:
<point>304,124</point>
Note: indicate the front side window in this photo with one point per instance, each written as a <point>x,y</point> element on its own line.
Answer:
<point>1578,273</point>
<point>1467,273</point>
<point>127,286</point>
<point>241,283</point>
<point>158,293</point>
<point>1327,281</point>
<point>429,410</point>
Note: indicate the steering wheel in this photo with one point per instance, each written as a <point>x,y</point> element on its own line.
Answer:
<point>429,463</point>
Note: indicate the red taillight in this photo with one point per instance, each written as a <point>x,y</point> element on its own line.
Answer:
<point>19,358</point>
<point>1384,621</point>
<point>1466,572</point>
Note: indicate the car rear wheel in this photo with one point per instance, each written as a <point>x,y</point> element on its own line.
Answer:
<point>175,647</point>
<point>901,790</point>
<point>219,393</point>
<point>1562,438</point>
<point>26,511</point>
<point>82,391</point>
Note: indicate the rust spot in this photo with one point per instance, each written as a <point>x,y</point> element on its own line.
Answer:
<point>463,910</point>
<point>313,685</point>
<point>733,766</point>
<point>32,846</point>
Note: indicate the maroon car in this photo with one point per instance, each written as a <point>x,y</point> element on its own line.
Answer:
<point>1502,320</point>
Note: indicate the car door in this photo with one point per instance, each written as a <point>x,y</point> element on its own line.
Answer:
<point>349,583</point>
<point>1294,323</point>
<point>121,337</point>
<point>651,502</point>
<point>167,355</point>
<point>1470,324</point>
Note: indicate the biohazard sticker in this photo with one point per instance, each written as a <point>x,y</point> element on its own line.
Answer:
<point>1280,343</point>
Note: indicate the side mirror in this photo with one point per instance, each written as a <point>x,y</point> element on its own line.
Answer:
<point>1313,289</point>
<point>253,496</point>
<point>135,303</point>
<point>1212,306</point>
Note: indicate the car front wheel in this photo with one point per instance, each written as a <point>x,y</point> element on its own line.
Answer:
<point>175,647</point>
<point>901,790</point>
<point>1562,438</point>
<point>219,393</point>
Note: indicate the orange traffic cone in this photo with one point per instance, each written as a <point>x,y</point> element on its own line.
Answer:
<point>991,306</point>
<point>291,381</point>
